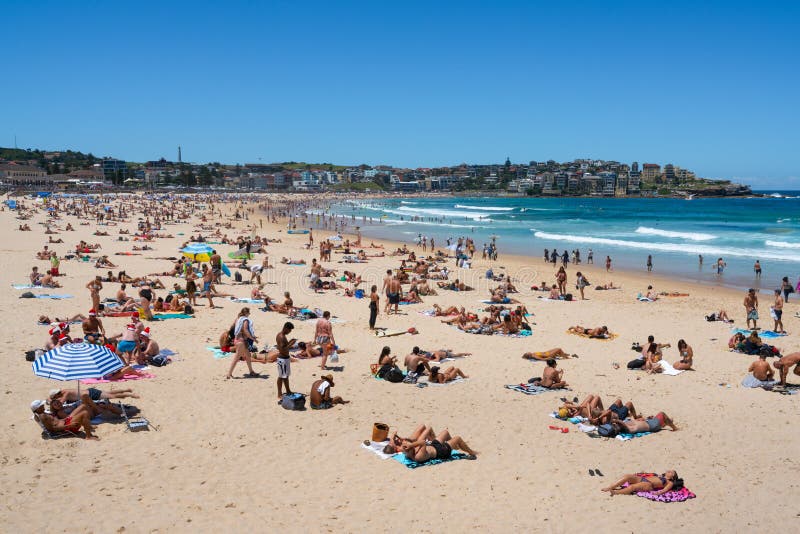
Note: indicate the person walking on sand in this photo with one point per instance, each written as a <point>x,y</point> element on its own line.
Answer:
<point>323,336</point>
<point>751,308</point>
<point>284,360</point>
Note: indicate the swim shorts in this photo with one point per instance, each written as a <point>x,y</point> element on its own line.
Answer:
<point>654,424</point>
<point>753,315</point>
<point>126,346</point>
<point>95,394</point>
<point>284,368</point>
<point>394,298</point>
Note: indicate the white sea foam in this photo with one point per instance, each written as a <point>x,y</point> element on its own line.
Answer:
<point>688,248</point>
<point>693,236</point>
<point>398,222</point>
<point>440,213</point>
<point>483,208</point>
<point>782,244</point>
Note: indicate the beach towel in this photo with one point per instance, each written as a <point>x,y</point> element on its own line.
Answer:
<point>644,299</point>
<point>54,297</point>
<point>521,333</point>
<point>125,378</point>
<point>164,316</point>
<point>121,314</point>
<point>25,286</point>
<point>218,353</point>
<point>248,301</point>
<point>532,389</point>
<point>456,380</point>
<point>752,382</point>
<point>765,334</point>
<point>607,337</point>
<point>504,301</point>
<point>548,299</point>
<point>411,464</point>
<point>376,447</point>
<point>680,495</point>
<point>667,369</point>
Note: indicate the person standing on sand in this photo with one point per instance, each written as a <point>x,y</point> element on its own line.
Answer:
<point>649,263</point>
<point>751,308</point>
<point>608,264</point>
<point>374,302</point>
<point>786,287</point>
<point>385,288</point>
<point>284,366</point>
<point>393,294</point>
<point>323,336</point>
<point>777,312</point>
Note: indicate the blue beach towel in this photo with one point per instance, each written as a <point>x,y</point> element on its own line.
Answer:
<point>218,354</point>
<point>411,464</point>
<point>766,334</point>
<point>163,316</point>
<point>55,297</point>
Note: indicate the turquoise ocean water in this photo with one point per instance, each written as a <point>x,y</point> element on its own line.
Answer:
<point>674,231</point>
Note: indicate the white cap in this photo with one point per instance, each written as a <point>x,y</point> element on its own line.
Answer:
<point>35,405</point>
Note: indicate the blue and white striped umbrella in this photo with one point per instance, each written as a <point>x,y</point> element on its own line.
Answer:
<point>76,361</point>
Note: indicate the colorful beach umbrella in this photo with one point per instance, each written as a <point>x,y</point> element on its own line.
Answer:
<point>76,361</point>
<point>198,251</point>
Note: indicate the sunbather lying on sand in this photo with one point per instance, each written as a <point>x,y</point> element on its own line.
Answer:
<point>438,355</point>
<point>601,331</point>
<point>652,423</point>
<point>424,445</point>
<point>660,484</point>
<point>446,375</point>
<point>556,353</point>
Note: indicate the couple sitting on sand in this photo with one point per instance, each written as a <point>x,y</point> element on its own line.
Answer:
<point>73,412</point>
<point>424,444</point>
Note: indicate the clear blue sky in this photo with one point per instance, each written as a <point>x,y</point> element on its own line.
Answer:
<point>711,87</point>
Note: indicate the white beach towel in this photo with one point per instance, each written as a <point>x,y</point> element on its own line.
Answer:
<point>376,447</point>
<point>667,369</point>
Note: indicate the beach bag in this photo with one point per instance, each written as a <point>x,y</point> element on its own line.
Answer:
<point>294,401</point>
<point>27,295</point>
<point>636,364</point>
<point>237,276</point>
<point>359,294</point>
<point>568,297</point>
<point>607,430</point>
<point>159,360</point>
<point>334,357</point>
<point>394,375</point>
<point>380,432</point>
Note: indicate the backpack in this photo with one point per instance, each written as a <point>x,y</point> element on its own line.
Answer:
<point>237,276</point>
<point>159,360</point>
<point>568,297</point>
<point>607,430</point>
<point>293,401</point>
<point>394,375</point>
<point>188,310</point>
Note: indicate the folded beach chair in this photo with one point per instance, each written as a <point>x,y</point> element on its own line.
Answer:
<point>134,424</point>
<point>46,434</point>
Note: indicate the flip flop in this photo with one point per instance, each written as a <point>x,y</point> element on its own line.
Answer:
<point>551,427</point>
<point>563,399</point>
<point>591,472</point>
<point>564,430</point>
<point>598,473</point>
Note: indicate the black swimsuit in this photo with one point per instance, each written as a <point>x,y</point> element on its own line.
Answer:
<point>443,450</point>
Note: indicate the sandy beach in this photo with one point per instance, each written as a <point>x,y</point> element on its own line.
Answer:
<point>224,456</point>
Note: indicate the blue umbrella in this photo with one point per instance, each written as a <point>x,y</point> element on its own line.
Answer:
<point>75,361</point>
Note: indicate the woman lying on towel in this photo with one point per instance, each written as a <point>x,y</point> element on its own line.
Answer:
<point>601,331</point>
<point>448,375</point>
<point>659,484</point>
<point>545,355</point>
<point>424,444</point>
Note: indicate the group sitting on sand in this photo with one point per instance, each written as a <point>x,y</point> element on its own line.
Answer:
<point>424,444</point>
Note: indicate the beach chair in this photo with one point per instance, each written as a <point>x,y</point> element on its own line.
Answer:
<point>134,424</point>
<point>46,434</point>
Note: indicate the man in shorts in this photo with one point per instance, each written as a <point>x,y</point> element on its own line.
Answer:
<point>321,394</point>
<point>284,360</point>
<point>393,293</point>
<point>654,423</point>
<point>777,312</point>
<point>751,308</point>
